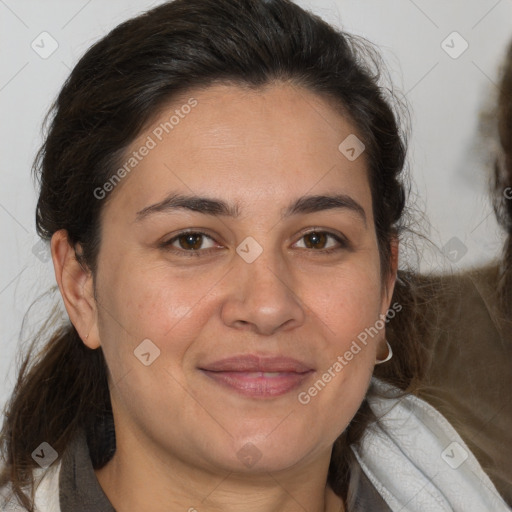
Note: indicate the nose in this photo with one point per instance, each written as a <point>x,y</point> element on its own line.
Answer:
<point>261,297</point>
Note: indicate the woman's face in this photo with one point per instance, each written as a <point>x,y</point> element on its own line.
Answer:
<point>281,280</point>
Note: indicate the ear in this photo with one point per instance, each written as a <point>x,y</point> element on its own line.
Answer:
<point>390,280</point>
<point>76,287</point>
<point>388,289</point>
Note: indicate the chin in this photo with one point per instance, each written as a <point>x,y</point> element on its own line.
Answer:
<point>269,452</point>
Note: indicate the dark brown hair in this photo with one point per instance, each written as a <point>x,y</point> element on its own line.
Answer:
<point>112,94</point>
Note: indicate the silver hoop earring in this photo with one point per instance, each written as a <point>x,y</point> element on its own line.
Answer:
<point>390,355</point>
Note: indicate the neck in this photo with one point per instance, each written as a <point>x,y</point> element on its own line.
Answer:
<point>138,478</point>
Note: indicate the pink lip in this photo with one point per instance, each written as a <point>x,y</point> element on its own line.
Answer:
<point>245,374</point>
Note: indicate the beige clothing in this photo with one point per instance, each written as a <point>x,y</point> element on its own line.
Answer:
<point>472,368</point>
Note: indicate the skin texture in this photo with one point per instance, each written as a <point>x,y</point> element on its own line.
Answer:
<point>179,433</point>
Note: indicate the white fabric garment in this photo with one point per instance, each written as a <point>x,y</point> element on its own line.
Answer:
<point>47,491</point>
<point>418,462</point>
<point>412,455</point>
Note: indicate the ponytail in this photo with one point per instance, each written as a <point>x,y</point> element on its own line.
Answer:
<point>64,389</point>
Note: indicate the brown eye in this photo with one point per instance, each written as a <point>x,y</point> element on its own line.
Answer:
<point>315,240</point>
<point>323,242</point>
<point>190,241</point>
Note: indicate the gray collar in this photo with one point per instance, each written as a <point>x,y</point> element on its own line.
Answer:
<point>79,489</point>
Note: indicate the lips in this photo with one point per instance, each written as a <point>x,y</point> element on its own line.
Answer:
<point>258,377</point>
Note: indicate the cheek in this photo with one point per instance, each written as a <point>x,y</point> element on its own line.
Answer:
<point>170,312</point>
<point>153,299</point>
<point>348,305</point>
<point>348,300</point>
<point>150,303</point>
<point>346,315</point>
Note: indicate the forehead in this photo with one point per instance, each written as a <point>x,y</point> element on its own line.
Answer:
<point>252,145</point>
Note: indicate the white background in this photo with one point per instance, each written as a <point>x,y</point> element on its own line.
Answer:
<point>447,154</point>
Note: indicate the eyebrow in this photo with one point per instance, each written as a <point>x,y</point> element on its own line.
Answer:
<point>218,207</point>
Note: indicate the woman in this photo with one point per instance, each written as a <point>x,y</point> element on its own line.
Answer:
<point>222,184</point>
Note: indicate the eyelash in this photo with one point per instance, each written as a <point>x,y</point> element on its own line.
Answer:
<point>167,245</point>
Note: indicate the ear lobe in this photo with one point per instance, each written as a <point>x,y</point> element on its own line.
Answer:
<point>76,288</point>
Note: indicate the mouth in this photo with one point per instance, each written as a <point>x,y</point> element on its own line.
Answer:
<point>258,377</point>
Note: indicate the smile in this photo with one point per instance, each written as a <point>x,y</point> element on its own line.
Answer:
<point>258,377</point>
